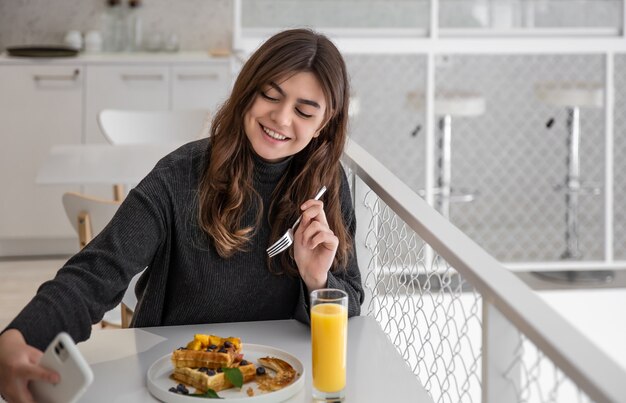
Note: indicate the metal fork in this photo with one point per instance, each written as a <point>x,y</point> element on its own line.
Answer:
<point>286,240</point>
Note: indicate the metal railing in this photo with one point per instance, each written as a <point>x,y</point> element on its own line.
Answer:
<point>469,329</point>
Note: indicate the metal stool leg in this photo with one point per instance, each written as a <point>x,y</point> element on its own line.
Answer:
<point>572,185</point>
<point>444,174</point>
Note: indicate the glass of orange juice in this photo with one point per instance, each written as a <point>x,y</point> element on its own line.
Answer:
<point>329,339</point>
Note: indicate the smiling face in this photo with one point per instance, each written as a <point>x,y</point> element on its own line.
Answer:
<point>285,116</point>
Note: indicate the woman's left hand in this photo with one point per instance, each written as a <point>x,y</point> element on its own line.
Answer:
<point>315,245</point>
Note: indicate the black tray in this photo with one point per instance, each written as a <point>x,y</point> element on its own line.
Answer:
<point>41,51</point>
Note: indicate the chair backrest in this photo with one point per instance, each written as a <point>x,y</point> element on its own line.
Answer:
<point>141,127</point>
<point>88,215</point>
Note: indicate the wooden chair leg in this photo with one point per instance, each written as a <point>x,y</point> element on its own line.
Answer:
<point>118,192</point>
<point>84,229</point>
<point>127,316</point>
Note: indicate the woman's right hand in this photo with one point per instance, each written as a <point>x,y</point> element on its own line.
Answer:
<point>19,364</point>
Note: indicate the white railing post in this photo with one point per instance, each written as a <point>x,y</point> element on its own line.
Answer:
<point>609,104</point>
<point>500,370</point>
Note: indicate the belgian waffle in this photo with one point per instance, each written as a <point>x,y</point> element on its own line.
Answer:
<point>201,380</point>
<point>208,351</point>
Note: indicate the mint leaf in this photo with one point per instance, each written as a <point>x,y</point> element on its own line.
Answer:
<point>234,375</point>
<point>210,394</point>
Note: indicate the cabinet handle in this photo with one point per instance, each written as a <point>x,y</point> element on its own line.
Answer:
<point>57,77</point>
<point>189,77</point>
<point>142,77</point>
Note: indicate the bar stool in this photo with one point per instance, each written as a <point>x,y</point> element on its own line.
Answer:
<point>448,105</point>
<point>573,96</point>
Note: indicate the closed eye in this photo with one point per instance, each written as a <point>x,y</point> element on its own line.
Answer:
<point>264,95</point>
<point>304,115</point>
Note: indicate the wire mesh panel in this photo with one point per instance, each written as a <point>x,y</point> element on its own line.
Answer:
<point>433,315</point>
<point>390,121</point>
<point>426,308</point>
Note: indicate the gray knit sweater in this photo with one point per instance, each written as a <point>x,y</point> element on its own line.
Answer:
<point>186,281</point>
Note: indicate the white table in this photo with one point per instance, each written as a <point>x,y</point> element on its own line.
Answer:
<point>86,164</point>
<point>376,372</point>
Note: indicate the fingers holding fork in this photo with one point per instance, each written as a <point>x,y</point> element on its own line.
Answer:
<point>315,245</point>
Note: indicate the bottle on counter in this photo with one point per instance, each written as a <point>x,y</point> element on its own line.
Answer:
<point>134,38</point>
<point>113,32</point>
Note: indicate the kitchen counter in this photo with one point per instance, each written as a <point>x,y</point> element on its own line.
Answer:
<point>121,58</point>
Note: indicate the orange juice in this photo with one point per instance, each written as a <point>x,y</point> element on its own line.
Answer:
<point>329,336</point>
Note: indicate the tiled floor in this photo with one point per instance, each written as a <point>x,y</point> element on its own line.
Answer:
<point>19,280</point>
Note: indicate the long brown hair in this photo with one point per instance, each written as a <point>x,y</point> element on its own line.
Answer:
<point>226,186</point>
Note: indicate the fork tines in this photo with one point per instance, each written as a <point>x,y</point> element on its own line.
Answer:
<point>275,249</point>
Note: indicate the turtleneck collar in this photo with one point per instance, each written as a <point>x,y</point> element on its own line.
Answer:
<point>269,172</point>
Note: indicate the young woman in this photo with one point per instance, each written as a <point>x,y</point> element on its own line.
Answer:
<point>202,220</point>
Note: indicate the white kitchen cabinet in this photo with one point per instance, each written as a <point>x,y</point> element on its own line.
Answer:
<point>200,87</point>
<point>40,105</point>
<point>139,87</point>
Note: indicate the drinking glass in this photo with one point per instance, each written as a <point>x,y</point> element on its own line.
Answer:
<point>329,339</point>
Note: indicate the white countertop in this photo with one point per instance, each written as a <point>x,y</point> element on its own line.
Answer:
<point>121,58</point>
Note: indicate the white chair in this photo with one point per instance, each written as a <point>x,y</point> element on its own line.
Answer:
<point>145,127</point>
<point>89,216</point>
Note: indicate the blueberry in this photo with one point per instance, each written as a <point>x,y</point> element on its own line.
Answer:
<point>203,369</point>
<point>228,344</point>
<point>182,389</point>
<point>212,346</point>
<point>173,390</point>
<point>244,362</point>
<point>221,350</point>
<point>260,371</point>
<point>210,372</point>
<point>219,370</point>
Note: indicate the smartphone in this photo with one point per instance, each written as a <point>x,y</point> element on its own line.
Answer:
<point>63,356</point>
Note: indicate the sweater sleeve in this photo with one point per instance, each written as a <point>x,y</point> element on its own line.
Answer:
<point>94,280</point>
<point>348,280</point>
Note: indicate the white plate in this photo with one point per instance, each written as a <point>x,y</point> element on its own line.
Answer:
<point>159,381</point>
